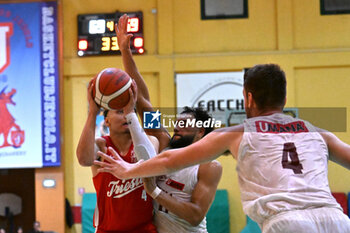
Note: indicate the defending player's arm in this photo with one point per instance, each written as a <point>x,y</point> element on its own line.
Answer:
<point>143,98</point>
<point>87,149</point>
<point>339,151</point>
<point>128,61</point>
<point>209,175</point>
<point>204,150</point>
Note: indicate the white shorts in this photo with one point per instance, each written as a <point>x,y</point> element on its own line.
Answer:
<point>167,223</point>
<point>318,220</point>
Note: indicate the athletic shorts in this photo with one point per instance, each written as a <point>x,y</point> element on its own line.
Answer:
<point>318,220</point>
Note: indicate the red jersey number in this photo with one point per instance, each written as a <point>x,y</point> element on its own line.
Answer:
<point>289,150</point>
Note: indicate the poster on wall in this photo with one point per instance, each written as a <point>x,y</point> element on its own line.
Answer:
<point>29,85</point>
<point>219,92</point>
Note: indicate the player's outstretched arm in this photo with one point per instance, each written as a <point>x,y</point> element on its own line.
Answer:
<point>339,151</point>
<point>204,150</point>
<point>87,149</point>
<point>143,98</point>
<point>128,61</point>
<point>203,195</point>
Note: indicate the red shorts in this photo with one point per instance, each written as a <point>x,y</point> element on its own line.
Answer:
<point>146,228</point>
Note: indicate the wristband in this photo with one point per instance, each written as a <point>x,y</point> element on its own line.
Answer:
<point>155,192</point>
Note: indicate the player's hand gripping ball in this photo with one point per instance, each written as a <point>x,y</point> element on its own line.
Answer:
<point>111,88</point>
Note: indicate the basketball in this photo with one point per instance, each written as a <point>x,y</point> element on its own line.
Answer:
<point>111,88</point>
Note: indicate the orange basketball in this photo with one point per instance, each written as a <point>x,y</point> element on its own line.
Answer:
<point>111,88</point>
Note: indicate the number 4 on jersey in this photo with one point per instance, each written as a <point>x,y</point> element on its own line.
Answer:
<point>289,150</point>
<point>144,195</point>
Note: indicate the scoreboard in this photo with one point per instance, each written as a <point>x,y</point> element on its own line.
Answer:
<point>96,33</point>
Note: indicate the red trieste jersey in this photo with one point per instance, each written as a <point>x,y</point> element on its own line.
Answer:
<point>122,205</point>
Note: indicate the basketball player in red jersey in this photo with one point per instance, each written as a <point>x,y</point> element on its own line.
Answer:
<point>281,161</point>
<point>122,204</point>
<point>183,198</point>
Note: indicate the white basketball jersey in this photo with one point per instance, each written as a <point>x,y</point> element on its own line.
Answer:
<point>282,165</point>
<point>179,185</point>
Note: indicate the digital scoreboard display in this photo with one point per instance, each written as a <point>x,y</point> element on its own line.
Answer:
<point>96,33</point>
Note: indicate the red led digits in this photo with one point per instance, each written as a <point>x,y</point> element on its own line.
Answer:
<point>133,25</point>
<point>141,51</point>
<point>83,44</point>
<point>138,42</point>
<point>97,36</point>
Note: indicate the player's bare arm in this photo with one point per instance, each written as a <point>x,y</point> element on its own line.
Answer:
<point>339,151</point>
<point>143,99</point>
<point>128,61</point>
<point>87,149</point>
<point>204,150</point>
<point>209,175</point>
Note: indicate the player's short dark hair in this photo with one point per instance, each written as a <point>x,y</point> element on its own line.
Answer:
<point>200,115</point>
<point>267,83</point>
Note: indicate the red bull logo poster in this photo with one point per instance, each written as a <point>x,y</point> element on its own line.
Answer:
<point>29,85</point>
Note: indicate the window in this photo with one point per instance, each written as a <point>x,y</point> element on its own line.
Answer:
<point>329,7</point>
<point>224,9</point>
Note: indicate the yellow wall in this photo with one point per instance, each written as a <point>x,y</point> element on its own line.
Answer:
<point>314,51</point>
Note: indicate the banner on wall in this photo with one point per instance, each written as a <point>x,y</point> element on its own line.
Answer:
<point>29,85</point>
<point>218,93</point>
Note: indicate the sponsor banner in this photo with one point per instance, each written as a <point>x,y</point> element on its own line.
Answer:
<point>29,85</point>
<point>217,92</point>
